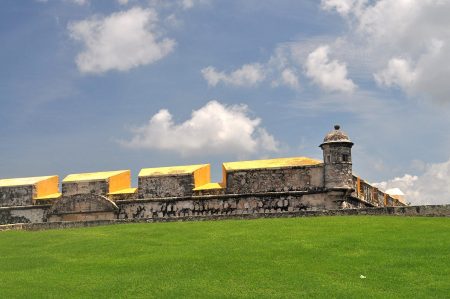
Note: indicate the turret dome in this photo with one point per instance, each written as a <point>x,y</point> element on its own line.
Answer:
<point>336,136</point>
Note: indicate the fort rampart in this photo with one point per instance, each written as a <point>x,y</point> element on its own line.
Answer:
<point>424,211</point>
<point>283,185</point>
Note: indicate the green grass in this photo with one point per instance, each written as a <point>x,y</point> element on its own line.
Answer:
<point>404,257</point>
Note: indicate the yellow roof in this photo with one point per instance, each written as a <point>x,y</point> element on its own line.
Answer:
<point>209,186</point>
<point>159,171</point>
<point>124,191</point>
<point>50,196</point>
<point>92,176</point>
<point>271,163</point>
<point>23,181</point>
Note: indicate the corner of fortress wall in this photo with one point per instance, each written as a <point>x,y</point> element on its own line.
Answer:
<point>274,175</point>
<point>251,188</point>
<point>282,185</point>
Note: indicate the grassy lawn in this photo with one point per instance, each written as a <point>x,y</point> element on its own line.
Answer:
<point>404,257</point>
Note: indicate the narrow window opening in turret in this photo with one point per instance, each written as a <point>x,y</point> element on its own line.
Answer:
<point>345,158</point>
<point>328,159</point>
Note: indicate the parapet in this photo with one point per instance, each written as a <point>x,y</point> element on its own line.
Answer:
<point>270,163</point>
<point>176,181</point>
<point>272,175</point>
<point>101,183</point>
<point>28,191</point>
<point>372,195</point>
<point>243,178</point>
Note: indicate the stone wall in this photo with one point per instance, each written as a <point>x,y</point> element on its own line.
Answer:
<point>165,186</point>
<point>94,207</point>
<point>224,205</point>
<point>274,180</point>
<point>26,214</point>
<point>100,187</point>
<point>372,195</point>
<point>17,195</point>
<point>338,173</point>
<point>82,207</point>
<point>427,211</point>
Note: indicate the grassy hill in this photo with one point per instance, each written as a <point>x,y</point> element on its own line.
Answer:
<point>302,257</point>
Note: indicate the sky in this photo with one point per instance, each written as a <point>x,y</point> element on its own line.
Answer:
<point>91,85</point>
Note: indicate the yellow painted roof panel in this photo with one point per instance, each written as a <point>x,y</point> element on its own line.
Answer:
<point>209,186</point>
<point>160,171</point>
<point>50,196</point>
<point>23,181</point>
<point>271,163</point>
<point>124,191</point>
<point>92,176</point>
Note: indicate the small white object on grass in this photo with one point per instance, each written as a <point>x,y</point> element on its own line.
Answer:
<point>362,276</point>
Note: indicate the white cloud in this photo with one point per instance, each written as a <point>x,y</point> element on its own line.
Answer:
<point>415,29</point>
<point>246,76</point>
<point>330,75</point>
<point>173,21</point>
<point>121,41</point>
<point>432,187</point>
<point>398,72</point>
<point>214,129</point>
<point>343,7</point>
<point>280,70</point>
<point>80,2</point>
<point>188,4</point>
<point>289,78</point>
<point>122,2</point>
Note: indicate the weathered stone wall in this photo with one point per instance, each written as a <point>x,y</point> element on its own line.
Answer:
<point>82,207</point>
<point>372,195</point>
<point>338,173</point>
<point>87,187</point>
<point>26,214</point>
<point>94,207</point>
<point>123,196</point>
<point>380,198</point>
<point>17,195</point>
<point>165,186</point>
<point>225,205</point>
<point>274,180</point>
<point>427,211</point>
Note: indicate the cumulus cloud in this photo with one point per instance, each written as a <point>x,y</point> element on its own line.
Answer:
<point>121,41</point>
<point>432,187</point>
<point>280,71</point>
<point>188,4</point>
<point>398,72</point>
<point>283,69</point>
<point>246,76</point>
<point>80,2</point>
<point>289,78</point>
<point>330,75</point>
<point>214,128</point>
<point>416,30</point>
<point>343,7</point>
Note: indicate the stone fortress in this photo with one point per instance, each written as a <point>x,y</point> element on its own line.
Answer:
<point>248,187</point>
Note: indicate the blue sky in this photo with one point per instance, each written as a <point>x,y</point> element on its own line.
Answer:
<point>91,85</point>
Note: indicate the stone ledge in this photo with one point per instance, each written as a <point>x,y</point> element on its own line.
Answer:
<point>219,196</point>
<point>424,211</point>
<point>28,207</point>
